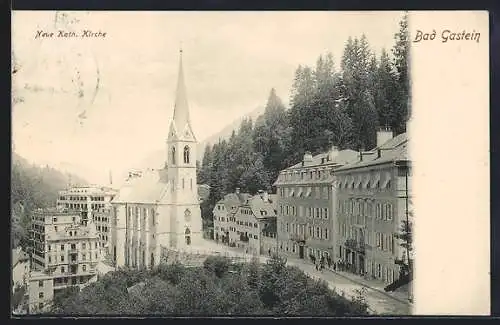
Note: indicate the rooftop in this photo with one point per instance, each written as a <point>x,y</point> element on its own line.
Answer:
<point>396,149</point>
<point>328,159</point>
<point>147,188</point>
<point>56,212</point>
<point>18,256</point>
<point>257,203</point>
<point>261,208</point>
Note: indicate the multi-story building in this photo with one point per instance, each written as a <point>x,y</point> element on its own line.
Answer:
<point>247,222</point>
<point>102,220</point>
<point>224,216</point>
<point>306,204</point>
<point>65,253</point>
<point>373,200</point>
<point>160,209</point>
<point>93,202</point>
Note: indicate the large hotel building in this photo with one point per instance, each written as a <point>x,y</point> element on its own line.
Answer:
<point>307,204</point>
<point>348,205</point>
<point>94,202</point>
<point>374,195</point>
<point>65,253</point>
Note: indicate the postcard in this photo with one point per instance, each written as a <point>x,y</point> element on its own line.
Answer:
<point>250,163</point>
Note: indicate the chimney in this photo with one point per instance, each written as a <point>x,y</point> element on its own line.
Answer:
<point>361,151</point>
<point>237,190</point>
<point>307,157</point>
<point>384,135</point>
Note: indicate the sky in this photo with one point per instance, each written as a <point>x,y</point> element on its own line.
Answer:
<point>124,84</point>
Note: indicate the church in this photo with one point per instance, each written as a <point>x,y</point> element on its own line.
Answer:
<point>159,209</point>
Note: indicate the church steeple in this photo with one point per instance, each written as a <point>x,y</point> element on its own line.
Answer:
<point>181,108</point>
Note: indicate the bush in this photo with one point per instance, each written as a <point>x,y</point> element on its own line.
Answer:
<point>217,265</point>
<point>249,289</point>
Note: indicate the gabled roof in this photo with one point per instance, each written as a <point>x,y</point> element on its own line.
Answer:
<point>261,208</point>
<point>235,200</point>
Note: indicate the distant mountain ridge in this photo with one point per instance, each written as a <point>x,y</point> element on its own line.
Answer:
<point>40,183</point>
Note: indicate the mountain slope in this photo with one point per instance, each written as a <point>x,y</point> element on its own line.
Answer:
<point>33,187</point>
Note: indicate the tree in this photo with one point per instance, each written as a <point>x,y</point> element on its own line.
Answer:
<point>270,136</point>
<point>406,237</point>
<point>401,51</point>
<point>358,93</point>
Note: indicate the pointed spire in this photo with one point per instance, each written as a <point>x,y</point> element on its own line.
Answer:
<point>181,109</point>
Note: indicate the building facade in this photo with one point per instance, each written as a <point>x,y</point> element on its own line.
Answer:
<point>306,201</point>
<point>373,199</point>
<point>160,208</point>
<point>247,222</point>
<point>102,220</point>
<point>66,253</point>
<point>94,202</point>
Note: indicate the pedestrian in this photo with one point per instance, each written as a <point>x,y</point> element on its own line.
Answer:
<point>269,251</point>
<point>334,266</point>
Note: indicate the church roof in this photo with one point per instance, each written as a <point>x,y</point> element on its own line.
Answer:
<point>147,189</point>
<point>181,108</point>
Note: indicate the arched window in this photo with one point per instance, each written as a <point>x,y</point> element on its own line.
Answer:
<point>173,156</point>
<point>186,154</point>
<point>187,236</point>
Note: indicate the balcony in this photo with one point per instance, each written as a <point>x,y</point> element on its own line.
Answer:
<point>73,261</point>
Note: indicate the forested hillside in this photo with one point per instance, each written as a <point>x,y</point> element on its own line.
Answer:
<point>328,108</point>
<point>33,187</point>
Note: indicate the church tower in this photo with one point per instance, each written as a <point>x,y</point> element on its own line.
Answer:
<point>185,217</point>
